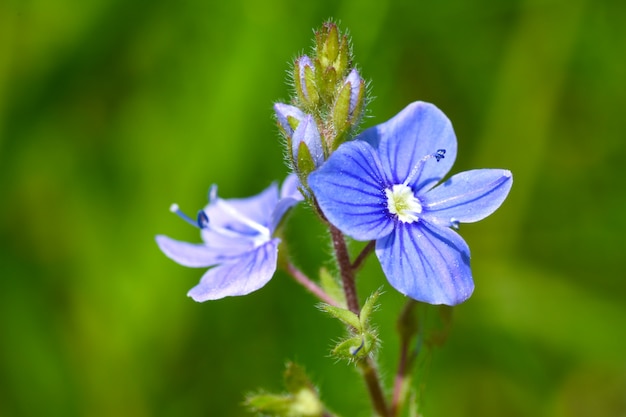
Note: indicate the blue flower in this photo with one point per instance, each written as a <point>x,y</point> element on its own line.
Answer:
<point>381,187</point>
<point>238,241</point>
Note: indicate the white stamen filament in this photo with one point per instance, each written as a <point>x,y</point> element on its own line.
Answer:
<point>264,231</point>
<point>417,169</point>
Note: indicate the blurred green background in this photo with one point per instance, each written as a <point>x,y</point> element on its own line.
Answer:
<point>112,110</point>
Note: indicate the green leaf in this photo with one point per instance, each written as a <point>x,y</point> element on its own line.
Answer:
<point>345,315</point>
<point>368,307</point>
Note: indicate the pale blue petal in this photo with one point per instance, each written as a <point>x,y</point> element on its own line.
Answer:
<point>284,112</point>
<point>281,208</point>
<point>307,132</point>
<point>240,276</point>
<point>227,243</point>
<point>467,197</point>
<point>427,263</point>
<point>420,129</point>
<point>257,208</point>
<point>350,190</point>
<point>290,188</point>
<point>188,254</point>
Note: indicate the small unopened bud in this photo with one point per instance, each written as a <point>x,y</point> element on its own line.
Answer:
<point>348,106</point>
<point>306,146</point>
<point>304,77</point>
<point>289,117</point>
<point>332,49</point>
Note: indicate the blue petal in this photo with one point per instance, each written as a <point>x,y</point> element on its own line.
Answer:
<point>427,263</point>
<point>467,197</point>
<point>290,188</point>
<point>349,189</point>
<point>240,276</point>
<point>307,132</point>
<point>257,208</point>
<point>281,208</point>
<point>417,131</point>
<point>289,196</point>
<point>188,254</point>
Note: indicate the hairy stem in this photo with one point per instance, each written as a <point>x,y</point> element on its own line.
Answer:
<point>345,266</point>
<point>372,380</point>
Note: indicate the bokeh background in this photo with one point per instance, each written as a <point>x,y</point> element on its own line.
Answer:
<point>112,110</point>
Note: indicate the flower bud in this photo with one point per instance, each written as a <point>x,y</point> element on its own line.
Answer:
<point>304,77</point>
<point>348,106</point>
<point>289,117</point>
<point>332,49</point>
<point>306,146</point>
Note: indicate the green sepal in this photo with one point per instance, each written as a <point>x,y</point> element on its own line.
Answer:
<point>327,82</point>
<point>368,307</point>
<point>293,122</point>
<point>305,162</point>
<point>311,88</point>
<point>356,347</point>
<point>342,63</point>
<point>355,117</point>
<point>344,315</point>
<point>332,48</point>
<point>332,287</point>
<point>327,44</point>
<point>341,111</point>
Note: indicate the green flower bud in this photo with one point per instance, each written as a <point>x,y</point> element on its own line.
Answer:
<point>348,107</point>
<point>304,77</point>
<point>332,49</point>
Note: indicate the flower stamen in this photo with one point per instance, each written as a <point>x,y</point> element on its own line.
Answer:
<point>402,202</point>
<point>264,231</point>
<point>417,169</point>
<point>176,210</point>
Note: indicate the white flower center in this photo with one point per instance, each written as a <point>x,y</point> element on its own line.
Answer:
<point>402,202</point>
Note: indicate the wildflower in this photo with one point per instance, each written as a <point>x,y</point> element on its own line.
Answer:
<point>380,187</point>
<point>238,241</point>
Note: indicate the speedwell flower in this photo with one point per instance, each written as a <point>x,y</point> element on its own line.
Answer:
<point>238,241</point>
<point>380,187</point>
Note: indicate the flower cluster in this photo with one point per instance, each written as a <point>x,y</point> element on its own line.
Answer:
<point>378,186</point>
<point>327,105</point>
<point>385,186</point>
